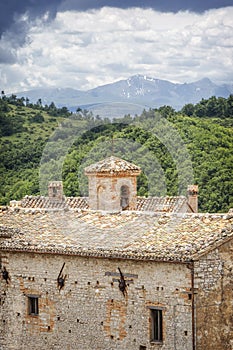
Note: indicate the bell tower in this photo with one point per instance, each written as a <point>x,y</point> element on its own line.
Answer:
<point>112,184</point>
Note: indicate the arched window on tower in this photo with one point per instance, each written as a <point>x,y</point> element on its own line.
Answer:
<point>54,191</point>
<point>101,200</point>
<point>124,197</point>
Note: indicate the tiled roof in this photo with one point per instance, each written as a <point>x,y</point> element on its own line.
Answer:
<point>46,202</point>
<point>153,204</point>
<point>77,202</point>
<point>162,204</point>
<point>129,235</point>
<point>112,165</point>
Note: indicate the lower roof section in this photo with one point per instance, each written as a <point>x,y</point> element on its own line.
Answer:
<point>127,234</point>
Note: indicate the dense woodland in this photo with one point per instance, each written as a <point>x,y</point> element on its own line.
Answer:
<point>41,143</point>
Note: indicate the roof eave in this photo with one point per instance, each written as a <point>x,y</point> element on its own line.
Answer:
<point>100,255</point>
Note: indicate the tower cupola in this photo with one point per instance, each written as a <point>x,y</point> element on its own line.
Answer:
<point>112,184</point>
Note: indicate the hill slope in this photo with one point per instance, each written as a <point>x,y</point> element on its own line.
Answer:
<point>26,131</point>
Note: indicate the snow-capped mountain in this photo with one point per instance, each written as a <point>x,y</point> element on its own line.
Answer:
<point>131,95</point>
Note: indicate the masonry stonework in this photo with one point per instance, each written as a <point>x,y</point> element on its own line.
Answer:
<point>105,192</point>
<point>112,185</point>
<point>90,312</point>
<point>214,300</point>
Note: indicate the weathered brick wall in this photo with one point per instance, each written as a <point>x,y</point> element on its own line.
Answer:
<point>214,301</point>
<point>90,312</point>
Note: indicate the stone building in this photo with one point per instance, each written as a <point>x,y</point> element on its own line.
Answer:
<point>139,273</point>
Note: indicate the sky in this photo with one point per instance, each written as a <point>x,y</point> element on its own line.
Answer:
<point>82,44</point>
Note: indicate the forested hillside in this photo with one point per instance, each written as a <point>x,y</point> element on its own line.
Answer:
<point>206,130</point>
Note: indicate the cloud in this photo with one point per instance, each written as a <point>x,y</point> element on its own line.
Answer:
<point>84,49</point>
<point>158,5</point>
<point>7,56</point>
<point>16,18</point>
<point>12,10</point>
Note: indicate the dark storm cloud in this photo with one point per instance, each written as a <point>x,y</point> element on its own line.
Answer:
<point>11,10</point>
<point>14,29</point>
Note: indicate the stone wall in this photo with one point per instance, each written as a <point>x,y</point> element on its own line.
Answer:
<point>90,312</point>
<point>104,192</point>
<point>214,301</point>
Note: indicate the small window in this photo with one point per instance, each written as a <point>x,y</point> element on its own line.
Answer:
<point>54,191</point>
<point>124,197</point>
<point>33,305</point>
<point>156,325</point>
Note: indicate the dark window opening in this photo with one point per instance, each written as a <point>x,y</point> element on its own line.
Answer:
<point>54,191</point>
<point>101,194</point>
<point>156,325</point>
<point>124,197</point>
<point>33,305</point>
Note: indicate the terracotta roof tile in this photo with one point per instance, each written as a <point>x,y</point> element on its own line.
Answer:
<point>77,202</point>
<point>46,202</point>
<point>131,235</point>
<point>153,204</point>
<point>161,204</point>
<point>112,165</point>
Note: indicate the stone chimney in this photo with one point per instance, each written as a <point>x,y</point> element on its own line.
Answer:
<point>112,184</point>
<point>192,195</point>
<point>55,191</point>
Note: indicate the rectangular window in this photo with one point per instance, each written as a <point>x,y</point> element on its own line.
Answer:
<point>33,305</point>
<point>156,325</point>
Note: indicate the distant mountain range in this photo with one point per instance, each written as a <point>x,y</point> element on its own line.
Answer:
<point>130,96</point>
